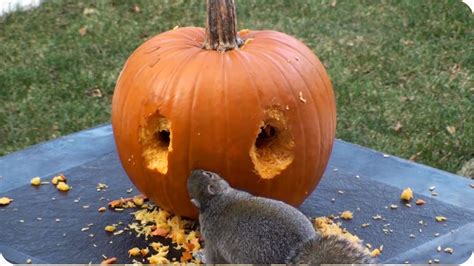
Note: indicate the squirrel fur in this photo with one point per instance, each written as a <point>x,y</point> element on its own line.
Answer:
<point>238,227</point>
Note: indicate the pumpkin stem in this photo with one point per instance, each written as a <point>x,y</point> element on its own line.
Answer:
<point>221,33</point>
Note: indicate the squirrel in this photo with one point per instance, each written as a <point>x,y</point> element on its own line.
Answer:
<point>238,227</point>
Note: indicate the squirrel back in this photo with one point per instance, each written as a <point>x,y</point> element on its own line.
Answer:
<point>238,227</point>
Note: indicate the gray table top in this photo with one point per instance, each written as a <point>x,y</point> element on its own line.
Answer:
<point>371,181</point>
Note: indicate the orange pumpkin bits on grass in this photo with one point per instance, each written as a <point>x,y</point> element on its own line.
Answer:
<point>196,98</point>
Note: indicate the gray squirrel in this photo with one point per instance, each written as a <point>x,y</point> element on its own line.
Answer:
<point>238,227</point>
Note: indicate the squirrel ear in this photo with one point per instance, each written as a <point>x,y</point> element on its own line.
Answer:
<point>196,203</point>
<point>211,189</point>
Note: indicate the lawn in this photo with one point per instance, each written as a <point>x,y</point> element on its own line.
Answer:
<point>402,70</point>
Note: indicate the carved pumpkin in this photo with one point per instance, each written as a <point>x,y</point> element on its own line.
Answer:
<point>256,107</point>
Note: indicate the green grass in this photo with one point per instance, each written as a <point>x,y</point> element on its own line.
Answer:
<point>390,61</point>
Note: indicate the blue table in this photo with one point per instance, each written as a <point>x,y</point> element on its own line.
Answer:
<point>358,179</point>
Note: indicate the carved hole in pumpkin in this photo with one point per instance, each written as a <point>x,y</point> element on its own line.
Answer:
<point>163,137</point>
<point>272,150</point>
<point>156,141</point>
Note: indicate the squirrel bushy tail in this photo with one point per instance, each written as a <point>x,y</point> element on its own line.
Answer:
<point>331,249</point>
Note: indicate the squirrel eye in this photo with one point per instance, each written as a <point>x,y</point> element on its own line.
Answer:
<point>208,174</point>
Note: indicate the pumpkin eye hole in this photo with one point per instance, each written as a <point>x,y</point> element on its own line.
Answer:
<point>163,137</point>
<point>156,141</point>
<point>273,149</point>
<point>267,135</point>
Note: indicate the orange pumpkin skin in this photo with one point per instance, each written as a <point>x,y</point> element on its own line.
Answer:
<point>215,103</point>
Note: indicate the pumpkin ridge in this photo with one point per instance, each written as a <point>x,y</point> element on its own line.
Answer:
<point>296,99</point>
<point>172,83</point>
<point>186,58</point>
<point>189,116</point>
<point>309,92</point>
<point>226,111</point>
<point>317,66</point>
<point>266,109</point>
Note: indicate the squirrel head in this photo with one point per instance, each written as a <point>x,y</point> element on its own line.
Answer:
<point>203,186</point>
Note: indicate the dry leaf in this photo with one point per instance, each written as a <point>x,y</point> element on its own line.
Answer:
<point>136,8</point>
<point>333,3</point>
<point>405,98</point>
<point>414,156</point>
<point>407,42</point>
<point>398,126</point>
<point>455,68</point>
<point>88,11</point>
<point>96,93</point>
<point>451,130</point>
<point>83,31</point>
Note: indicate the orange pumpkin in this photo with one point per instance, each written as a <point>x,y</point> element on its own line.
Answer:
<point>256,107</point>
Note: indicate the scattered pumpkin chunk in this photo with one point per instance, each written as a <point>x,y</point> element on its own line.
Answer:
<point>441,219</point>
<point>420,202</point>
<point>4,201</point>
<point>326,226</point>
<point>61,186</point>
<point>36,181</point>
<point>134,252</point>
<point>144,251</point>
<point>186,256</point>
<point>109,261</point>
<point>156,259</point>
<point>374,253</point>
<point>346,215</point>
<point>160,232</point>
<point>58,178</point>
<point>110,228</point>
<point>407,194</point>
<point>138,200</point>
